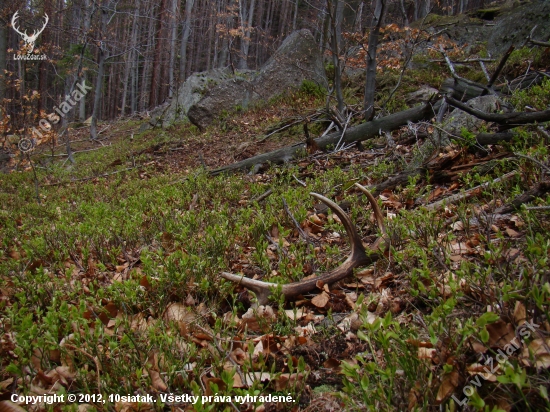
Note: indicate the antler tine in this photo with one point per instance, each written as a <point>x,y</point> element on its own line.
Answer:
<point>14,22</point>
<point>262,290</point>
<point>375,208</point>
<point>37,32</point>
<point>355,239</point>
<point>357,257</point>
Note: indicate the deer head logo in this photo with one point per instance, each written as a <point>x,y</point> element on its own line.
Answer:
<point>29,40</point>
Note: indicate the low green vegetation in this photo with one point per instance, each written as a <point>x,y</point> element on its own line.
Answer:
<point>109,280</point>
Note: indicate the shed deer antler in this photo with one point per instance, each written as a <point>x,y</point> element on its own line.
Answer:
<point>29,40</point>
<point>357,257</point>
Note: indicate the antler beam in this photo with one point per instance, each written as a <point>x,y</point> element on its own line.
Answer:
<point>357,257</point>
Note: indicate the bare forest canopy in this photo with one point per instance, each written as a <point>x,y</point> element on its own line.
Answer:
<point>142,50</point>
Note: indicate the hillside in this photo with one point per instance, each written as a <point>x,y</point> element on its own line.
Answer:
<point>111,285</point>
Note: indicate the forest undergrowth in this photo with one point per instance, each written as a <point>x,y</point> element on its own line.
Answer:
<point>110,269</point>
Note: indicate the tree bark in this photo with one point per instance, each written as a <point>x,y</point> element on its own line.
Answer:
<point>157,61</point>
<point>246,26</point>
<point>539,190</point>
<point>185,37</point>
<point>103,52</point>
<point>370,82</point>
<point>173,39</point>
<point>129,60</point>
<point>359,133</point>
<point>3,60</point>
<point>336,11</point>
<point>507,119</point>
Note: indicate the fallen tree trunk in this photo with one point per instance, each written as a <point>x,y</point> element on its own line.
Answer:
<point>538,190</point>
<point>462,90</point>
<point>507,119</point>
<point>358,133</point>
<point>484,139</point>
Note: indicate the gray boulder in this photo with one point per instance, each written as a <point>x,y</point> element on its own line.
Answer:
<point>205,96</point>
<point>189,93</point>
<point>514,26</point>
<point>296,60</point>
<point>458,120</point>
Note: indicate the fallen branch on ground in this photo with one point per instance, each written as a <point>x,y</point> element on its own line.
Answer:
<point>507,119</point>
<point>475,191</point>
<point>540,189</point>
<point>358,133</point>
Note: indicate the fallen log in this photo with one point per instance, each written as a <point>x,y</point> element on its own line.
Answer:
<point>461,89</point>
<point>507,119</point>
<point>485,139</point>
<point>358,133</point>
<point>538,190</point>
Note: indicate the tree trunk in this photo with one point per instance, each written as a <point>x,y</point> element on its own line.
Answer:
<point>3,60</point>
<point>173,39</point>
<point>103,52</point>
<point>370,82</point>
<point>359,133</point>
<point>336,11</point>
<point>185,37</point>
<point>148,64</point>
<point>157,61</point>
<point>246,26</point>
<point>129,60</point>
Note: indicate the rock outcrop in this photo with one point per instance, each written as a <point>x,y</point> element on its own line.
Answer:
<point>205,96</point>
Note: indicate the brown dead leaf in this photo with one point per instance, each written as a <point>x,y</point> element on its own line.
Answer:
<point>181,315</point>
<point>297,314</point>
<point>500,333</point>
<point>321,300</point>
<point>216,381</point>
<point>479,369</point>
<point>134,407</point>
<point>447,387</point>
<point>9,406</point>
<point>511,232</point>
<point>520,314</point>
<point>286,380</point>
<point>383,281</point>
<point>425,353</point>
<point>332,363</point>
<point>259,319</point>
<point>539,351</point>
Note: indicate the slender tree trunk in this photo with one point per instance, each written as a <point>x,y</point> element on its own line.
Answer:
<point>246,26</point>
<point>336,10</point>
<point>3,60</point>
<point>295,19</point>
<point>43,65</point>
<point>103,54</point>
<point>87,11</point>
<point>148,63</point>
<point>157,61</point>
<point>226,43</point>
<point>370,82</point>
<point>403,11</point>
<point>185,37</point>
<point>129,60</point>
<point>211,33</point>
<point>173,39</point>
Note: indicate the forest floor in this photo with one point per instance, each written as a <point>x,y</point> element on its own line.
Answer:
<point>110,282</point>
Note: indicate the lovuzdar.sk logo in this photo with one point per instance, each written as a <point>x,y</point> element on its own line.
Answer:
<point>28,48</point>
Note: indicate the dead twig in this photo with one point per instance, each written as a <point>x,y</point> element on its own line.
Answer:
<point>468,193</point>
<point>296,224</point>
<point>84,179</point>
<point>94,359</point>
